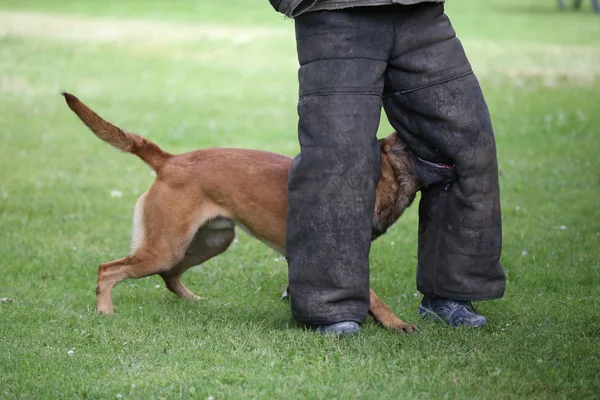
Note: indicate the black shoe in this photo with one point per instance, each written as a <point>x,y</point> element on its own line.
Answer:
<point>341,328</point>
<point>455,313</point>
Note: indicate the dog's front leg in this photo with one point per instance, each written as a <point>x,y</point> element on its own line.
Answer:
<point>381,313</point>
<point>384,316</point>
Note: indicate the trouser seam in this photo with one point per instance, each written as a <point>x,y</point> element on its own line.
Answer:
<point>331,93</point>
<point>343,58</point>
<point>326,145</point>
<point>445,80</point>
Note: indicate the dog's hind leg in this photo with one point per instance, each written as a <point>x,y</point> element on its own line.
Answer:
<point>109,274</point>
<point>141,263</point>
<point>163,243</point>
<point>210,241</point>
<point>112,273</point>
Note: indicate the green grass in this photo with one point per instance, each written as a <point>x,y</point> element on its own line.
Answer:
<point>230,80</point>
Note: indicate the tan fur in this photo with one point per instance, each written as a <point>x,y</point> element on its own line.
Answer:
<point>188,214</point>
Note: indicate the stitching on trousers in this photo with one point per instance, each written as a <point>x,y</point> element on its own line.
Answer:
<point>306,96</point>
<point>331,145</point>
<point>403,92</point>
<point>343,58</point>
<point>336,31</point>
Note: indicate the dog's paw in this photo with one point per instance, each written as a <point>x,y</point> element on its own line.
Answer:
<point>285,295</point>
<point>405,329</point>
<point>106,310</point>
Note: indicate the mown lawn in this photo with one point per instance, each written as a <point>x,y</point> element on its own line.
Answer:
<point>191,74</point>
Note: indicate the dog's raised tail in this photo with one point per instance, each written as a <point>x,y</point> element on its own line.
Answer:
<point>148,151</point>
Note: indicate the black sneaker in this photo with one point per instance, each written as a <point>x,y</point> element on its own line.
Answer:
<point>341,328</point>
<point>455,313</point>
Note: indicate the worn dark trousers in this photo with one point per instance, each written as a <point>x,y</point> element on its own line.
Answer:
<point>408,60</point>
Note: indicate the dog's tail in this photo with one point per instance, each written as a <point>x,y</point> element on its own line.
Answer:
<point>148,151</point>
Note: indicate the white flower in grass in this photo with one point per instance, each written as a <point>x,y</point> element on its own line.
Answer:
<point>116,193</point>
<point>563,227</point>
<point>71,352</point>
<point>523,253</point>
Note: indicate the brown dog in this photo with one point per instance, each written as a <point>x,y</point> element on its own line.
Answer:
<point>189,213</point>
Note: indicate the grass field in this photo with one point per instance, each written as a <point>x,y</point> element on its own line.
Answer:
<point>191,74</point>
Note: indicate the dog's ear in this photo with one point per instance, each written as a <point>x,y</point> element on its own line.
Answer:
<point>387,143</point>
<point>430,173</point>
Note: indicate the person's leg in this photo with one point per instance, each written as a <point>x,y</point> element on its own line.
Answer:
<point>331,191</point>
<point>435,103</point>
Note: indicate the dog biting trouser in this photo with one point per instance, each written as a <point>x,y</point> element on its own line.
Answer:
<point>408,60</point>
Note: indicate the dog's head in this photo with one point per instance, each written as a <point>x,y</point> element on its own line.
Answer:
<point>402,175</point>
<point>407,165</point>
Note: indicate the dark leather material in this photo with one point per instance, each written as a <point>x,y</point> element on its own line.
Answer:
<point>407,59</point>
